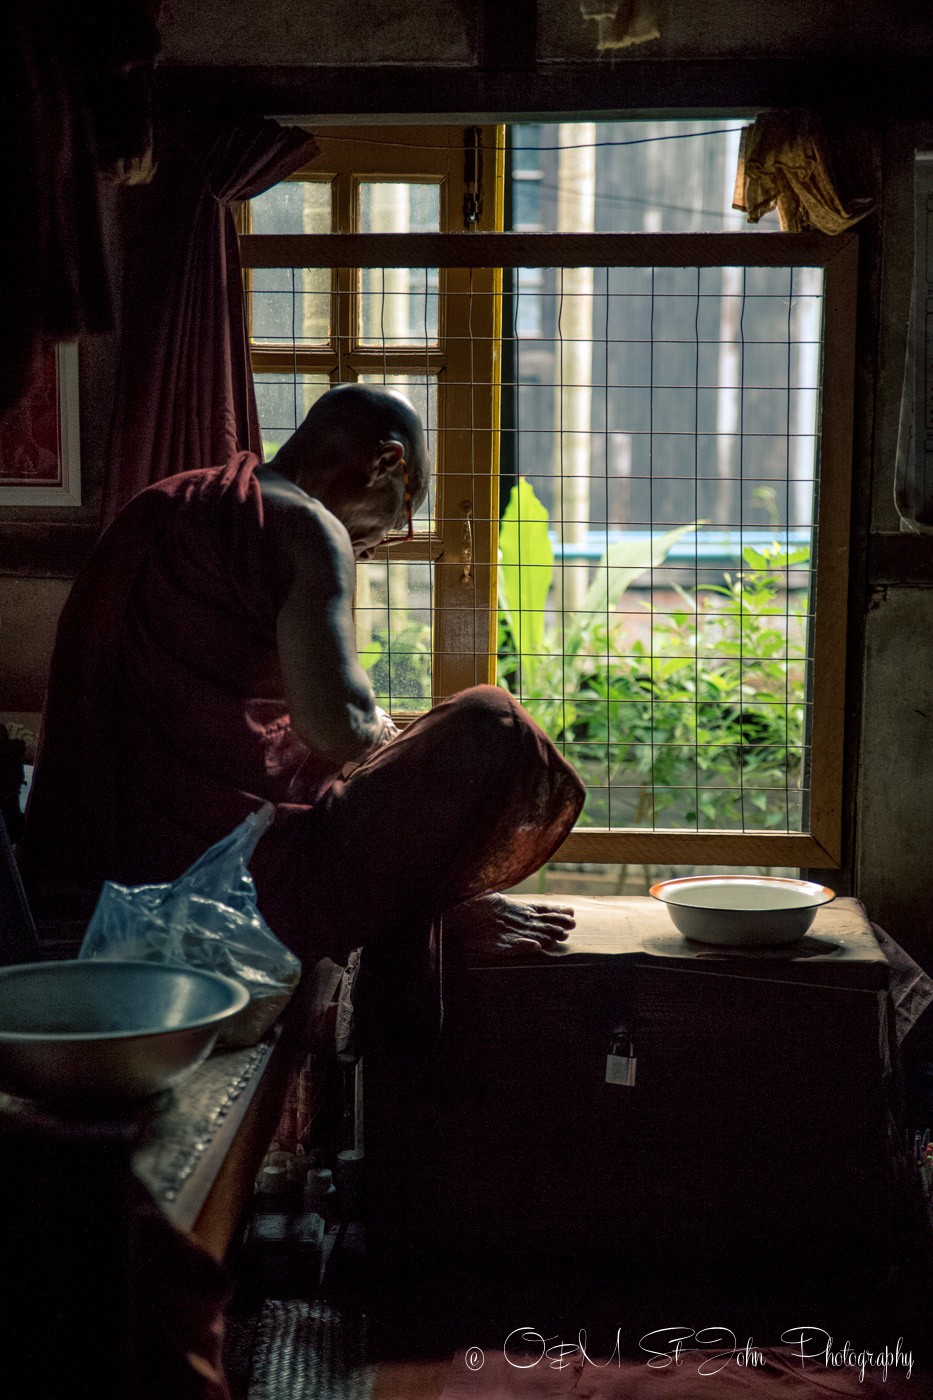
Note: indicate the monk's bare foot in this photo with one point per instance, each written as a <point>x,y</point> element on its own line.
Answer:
<point>494,926</point>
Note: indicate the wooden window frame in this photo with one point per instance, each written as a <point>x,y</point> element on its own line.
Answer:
<point>466,481</point>
<point>487,253</point>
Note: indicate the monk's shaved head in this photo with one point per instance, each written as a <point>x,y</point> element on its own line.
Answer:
<point>343,432</point>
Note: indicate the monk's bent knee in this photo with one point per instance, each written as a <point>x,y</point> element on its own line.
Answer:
<point>487,727</point>
<point>485,713</point>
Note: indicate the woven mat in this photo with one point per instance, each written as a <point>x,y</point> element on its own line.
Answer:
<point>308,1351</point>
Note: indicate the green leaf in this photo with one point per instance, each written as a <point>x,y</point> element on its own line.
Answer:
<point>526,567</point>
<point>370,655</point>
<point>622,563</point>
<point>754,559</point>
<point>663,670</point>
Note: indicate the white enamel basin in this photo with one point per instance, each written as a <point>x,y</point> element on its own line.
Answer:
<point>742,910</point>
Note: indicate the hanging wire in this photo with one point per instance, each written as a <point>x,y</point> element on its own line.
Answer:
<point>605,197</point>
<point>562,616</point>
<point>432,493</point>
<point>517,399</point>
<point>472,498</point>
<point>390,665</point>
<point>493,147</point>
<point>295,380</point>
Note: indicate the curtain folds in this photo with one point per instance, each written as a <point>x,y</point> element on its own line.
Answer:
<point>76,101</point>
<point>54,282</point>
<point>185,396</point>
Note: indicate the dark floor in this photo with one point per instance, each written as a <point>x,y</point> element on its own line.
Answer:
<point>365,1322</point>
<point>388,1328</point>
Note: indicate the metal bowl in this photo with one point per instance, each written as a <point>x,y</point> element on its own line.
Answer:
<point>742,911</point>
<point>84,1031</point>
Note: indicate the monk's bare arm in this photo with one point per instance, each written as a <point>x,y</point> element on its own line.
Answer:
<point>331,702</point>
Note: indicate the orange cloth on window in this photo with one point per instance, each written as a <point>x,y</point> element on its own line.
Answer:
<point>784,164</point>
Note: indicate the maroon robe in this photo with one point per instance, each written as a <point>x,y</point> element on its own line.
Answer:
<point>166,724</point>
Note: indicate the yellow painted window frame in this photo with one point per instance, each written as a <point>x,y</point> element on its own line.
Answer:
<point>467,616</point>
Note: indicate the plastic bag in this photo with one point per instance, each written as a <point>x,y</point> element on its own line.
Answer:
<point>207,918</point>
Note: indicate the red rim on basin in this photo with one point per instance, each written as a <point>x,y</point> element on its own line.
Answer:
<point>822,894</point>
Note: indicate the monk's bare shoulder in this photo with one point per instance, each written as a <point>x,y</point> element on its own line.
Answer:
<point>329,697</point>
<point>303,539</point>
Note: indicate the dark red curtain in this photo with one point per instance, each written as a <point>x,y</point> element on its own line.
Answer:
<point>185,395</point>
<point>75,100</point>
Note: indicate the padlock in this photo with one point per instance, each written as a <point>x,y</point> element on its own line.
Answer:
<point>620,1062</point>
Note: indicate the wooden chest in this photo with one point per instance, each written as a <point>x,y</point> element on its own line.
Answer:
<point>755,1133</point>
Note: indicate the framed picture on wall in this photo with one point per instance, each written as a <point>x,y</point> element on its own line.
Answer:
<point>40,438</point>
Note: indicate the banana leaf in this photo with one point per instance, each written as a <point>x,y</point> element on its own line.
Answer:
<point>621,565</point>
<point>526,568</point>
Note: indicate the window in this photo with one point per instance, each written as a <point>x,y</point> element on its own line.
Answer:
<point>668,495</point>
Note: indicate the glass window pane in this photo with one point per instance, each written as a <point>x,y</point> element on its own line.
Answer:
<point>394,206</point>
<point>399,306</point>
<point>629,177</point>
<point>393,610</point>
<point>527,285</point>
<point>290,306</point>
<point>422,391</point>
<point>526,204</point>
<point>526,140</point>
<point>294,206</point>
<point>282,401</point>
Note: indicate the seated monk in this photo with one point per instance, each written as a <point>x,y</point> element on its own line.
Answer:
<point>206,663</point>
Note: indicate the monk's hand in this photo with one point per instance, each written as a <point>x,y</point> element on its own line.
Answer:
<point>390,729</point>
<point>494,926</point>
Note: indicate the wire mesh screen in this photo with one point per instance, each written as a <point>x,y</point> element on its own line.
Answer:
<point>655,523</point>
<point>659,541</point>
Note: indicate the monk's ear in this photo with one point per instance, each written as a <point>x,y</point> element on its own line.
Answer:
<point>387,458</point>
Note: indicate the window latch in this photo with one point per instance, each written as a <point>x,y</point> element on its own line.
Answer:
<point>466,548</point>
